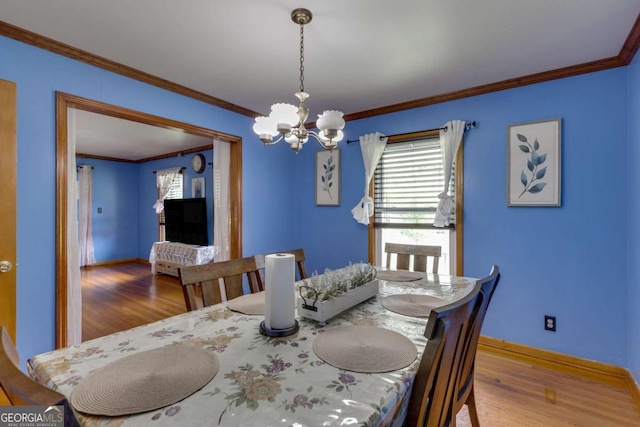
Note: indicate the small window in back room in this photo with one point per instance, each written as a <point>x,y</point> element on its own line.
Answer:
<point>176,192</point>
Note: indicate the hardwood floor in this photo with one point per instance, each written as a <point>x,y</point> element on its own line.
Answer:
<point>120,296</point>
<point>509,392</point>
<point>513,393</point>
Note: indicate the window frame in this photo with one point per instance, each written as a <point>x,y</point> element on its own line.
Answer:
<point>459,187</point>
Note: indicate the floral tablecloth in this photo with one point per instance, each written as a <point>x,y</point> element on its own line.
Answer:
<point>262,381</point>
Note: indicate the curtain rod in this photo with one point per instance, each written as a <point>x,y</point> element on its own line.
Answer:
<point>467,126</point>
<point>79,166</point>
<point>181,169</point>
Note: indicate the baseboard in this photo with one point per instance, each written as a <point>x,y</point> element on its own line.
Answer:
<point>585,368</point>
<point>118,261</point>
<point>632,385</point>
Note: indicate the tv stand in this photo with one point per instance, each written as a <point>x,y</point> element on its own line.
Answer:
<point>167,257</point>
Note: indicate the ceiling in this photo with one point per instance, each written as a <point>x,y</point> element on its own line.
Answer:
<point>114,138</point>
<point>360,55</point>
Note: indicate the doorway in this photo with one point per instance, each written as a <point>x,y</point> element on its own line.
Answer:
<point>66,101</point>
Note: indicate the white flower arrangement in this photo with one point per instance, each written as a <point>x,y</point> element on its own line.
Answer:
<point>333,283</point>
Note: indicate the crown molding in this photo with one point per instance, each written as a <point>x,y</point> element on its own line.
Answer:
<point>631,45</point>
<point>63,49</point>
<point>573,70</point>
<point>627,52</point>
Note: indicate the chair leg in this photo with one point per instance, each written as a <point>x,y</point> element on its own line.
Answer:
<point>473,411</point>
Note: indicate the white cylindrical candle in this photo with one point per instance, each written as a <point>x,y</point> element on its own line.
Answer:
<point>280,294</point>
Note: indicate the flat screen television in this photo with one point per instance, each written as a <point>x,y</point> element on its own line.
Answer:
<point>185,221</point>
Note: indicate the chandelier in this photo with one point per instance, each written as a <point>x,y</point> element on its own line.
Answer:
<point>287,121</point>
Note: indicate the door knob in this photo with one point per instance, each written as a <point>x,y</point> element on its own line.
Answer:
<point>5,266</point>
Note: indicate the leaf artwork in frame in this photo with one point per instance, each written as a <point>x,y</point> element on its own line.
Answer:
<point>328,178</point>
<point>534,164</point>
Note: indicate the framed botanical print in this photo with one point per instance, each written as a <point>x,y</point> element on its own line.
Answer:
<point>328,178</point>
<point>534,163</point>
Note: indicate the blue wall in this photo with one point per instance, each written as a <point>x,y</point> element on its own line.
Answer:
<point>268,174</point>
<point>633,257</point>
<point>569,262</point>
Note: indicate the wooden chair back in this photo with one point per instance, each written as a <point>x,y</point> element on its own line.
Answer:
<point>206,277</point>
<point>465,393</point>
<point>434,387</point>
<point>22,390</point>
<point>299,259</point>
<point>420,254</point>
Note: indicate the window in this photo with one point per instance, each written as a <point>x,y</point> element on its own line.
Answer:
<point>406,185</point>
<point>176,192</point>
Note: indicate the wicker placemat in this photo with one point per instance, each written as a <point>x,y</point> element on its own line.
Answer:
<point>145,381</point>
<point>248,304</point>
<point>366,349</point>
<point>412,304</point>
<point>399,275</point>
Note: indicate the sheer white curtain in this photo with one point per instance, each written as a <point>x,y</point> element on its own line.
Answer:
<point>450,138</point>
<point>74,285</point>
<point>221,205</point>
<point>372,146</point>
<point>85,191</point>
<point>164,179</point>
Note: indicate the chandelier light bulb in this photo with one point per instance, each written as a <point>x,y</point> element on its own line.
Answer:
<point>331,143</point>
<point>285,116</point>
<point>330,119</point>
<point>295,144</point>
<point>292,138</point>
<point>265,127</point>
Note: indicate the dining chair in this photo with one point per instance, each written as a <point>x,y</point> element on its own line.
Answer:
<point>435,385</point>
<point>207,276</point>
<point>299,260</point>
<point>420,254</point>
<point>465,390</point>
<point>22,390</point>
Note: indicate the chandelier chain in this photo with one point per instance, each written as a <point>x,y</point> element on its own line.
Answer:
<point>301,57</point>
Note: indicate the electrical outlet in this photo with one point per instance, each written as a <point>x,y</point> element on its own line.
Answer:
<point>550,323</point>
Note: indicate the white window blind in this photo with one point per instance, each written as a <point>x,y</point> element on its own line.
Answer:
<point>407,182</point>
<point>176,191</point>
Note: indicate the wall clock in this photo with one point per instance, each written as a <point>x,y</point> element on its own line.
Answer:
<point>198,164</point>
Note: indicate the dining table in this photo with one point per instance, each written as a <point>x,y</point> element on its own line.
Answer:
<point>262,380</point>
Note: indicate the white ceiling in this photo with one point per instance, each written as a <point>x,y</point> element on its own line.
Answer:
<point>359,54</point>
<point>106,136</point>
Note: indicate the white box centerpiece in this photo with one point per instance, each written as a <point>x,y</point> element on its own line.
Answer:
<point>329,294</point>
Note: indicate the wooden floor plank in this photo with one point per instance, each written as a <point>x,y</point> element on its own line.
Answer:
<point>509,392</point>
<point>512,393</point>
<point>121,296</point>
